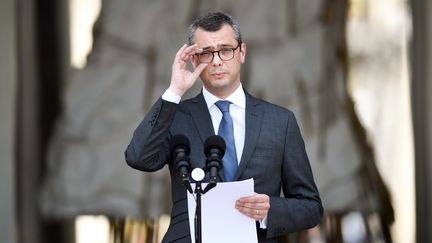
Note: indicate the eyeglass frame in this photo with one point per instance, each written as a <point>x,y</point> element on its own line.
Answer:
<point>218,52</point>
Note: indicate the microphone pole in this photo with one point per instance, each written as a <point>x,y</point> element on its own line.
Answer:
<point>197,219</point>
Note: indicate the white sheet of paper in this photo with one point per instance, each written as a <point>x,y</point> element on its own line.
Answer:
<point>221,221</point>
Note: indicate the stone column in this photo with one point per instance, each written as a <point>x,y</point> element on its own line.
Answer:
<point>27,131</point>
<point>8,79</point>
<point>422,114</point>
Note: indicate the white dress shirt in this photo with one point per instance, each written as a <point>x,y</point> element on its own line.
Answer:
<point>237,111</point>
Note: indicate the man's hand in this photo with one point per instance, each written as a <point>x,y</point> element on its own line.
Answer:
<point>183,79</point>
<point>255,206</point>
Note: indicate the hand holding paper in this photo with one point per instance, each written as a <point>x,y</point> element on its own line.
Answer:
<point>255,206</point>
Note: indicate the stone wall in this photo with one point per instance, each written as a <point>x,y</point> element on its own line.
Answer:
<point>295,59</point>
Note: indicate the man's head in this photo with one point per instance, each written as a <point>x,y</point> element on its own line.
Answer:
<point>219,36</point>
<point>214,21</point>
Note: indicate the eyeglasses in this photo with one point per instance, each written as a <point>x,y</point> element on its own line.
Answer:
<point>225,54</point>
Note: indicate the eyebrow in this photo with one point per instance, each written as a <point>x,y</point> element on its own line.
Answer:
<point>218,46</point>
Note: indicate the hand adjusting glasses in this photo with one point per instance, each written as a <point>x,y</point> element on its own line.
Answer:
<point>225,54</point>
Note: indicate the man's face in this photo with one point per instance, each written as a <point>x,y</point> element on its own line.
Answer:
<point>221,78</point>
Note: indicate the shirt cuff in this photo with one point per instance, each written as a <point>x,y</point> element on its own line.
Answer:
<point>171,96</point>
<point>263,223</point>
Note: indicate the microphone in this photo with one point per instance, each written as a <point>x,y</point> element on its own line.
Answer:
<point>214,149</point>
<point>180,149</point>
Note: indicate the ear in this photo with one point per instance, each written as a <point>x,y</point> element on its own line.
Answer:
<point>243,52</point>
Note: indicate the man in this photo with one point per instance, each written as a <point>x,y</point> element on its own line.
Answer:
<point>263,140</point>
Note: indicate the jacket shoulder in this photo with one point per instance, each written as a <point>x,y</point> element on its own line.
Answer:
<point>268,106</point>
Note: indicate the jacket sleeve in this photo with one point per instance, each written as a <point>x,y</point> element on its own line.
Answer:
<point>301,207</point>
<point>149,147</point>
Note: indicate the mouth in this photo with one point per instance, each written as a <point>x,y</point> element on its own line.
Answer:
<point>218,75</point>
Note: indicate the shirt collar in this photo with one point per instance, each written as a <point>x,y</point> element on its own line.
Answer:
<point>238,97</point>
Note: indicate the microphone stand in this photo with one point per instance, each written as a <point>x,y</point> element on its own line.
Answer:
<point>198,226</point>
<point>198,218</point>
<point>214,149</point>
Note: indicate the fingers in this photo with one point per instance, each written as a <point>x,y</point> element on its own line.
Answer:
<point>182,79</point>
<point>185,52</point>
<point>199,69</point>
<point>180,51</point>
<point>256,206</point>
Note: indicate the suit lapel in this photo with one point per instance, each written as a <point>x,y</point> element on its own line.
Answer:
<point>202,121</point>
<point>253,122</point>
<point>201,117</point>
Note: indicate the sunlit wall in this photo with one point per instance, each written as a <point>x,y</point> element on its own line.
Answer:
<point>378,36</point>
<point>83,13</point>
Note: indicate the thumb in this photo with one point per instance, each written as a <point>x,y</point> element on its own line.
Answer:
<point>198,70</point>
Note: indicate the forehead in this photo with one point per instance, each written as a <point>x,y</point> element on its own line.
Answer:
<point>224,36</point>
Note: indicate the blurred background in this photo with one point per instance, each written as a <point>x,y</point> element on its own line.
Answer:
<point>77,76</point>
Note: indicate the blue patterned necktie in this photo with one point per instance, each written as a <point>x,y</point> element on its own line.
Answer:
<point>226,130</point>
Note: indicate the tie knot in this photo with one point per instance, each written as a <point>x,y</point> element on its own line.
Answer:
<point>223,105</point>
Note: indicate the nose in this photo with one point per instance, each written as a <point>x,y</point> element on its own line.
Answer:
<point>216,60</point>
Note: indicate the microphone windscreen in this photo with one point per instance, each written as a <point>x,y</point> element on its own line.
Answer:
<point>212,142</point>
<point>180,140</point>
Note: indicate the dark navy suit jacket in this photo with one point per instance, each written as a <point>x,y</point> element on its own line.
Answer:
<point>274,156</point>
